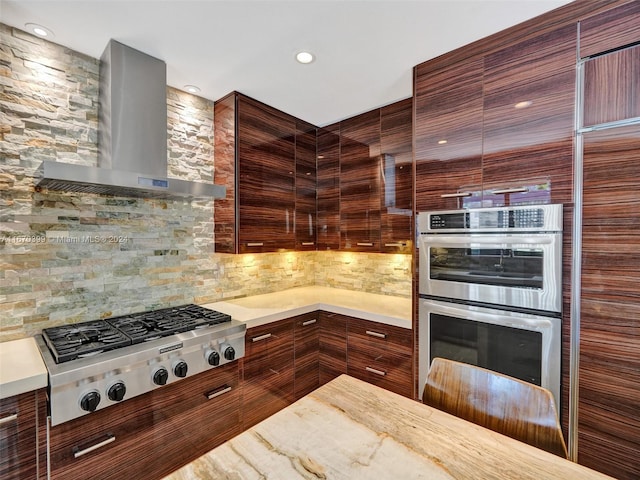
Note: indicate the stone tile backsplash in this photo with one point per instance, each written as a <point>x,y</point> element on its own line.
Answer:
<point>71,257</point>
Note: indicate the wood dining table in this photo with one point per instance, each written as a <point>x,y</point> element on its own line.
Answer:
<point>352,430</point>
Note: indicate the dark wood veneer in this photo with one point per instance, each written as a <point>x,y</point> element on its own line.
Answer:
<point>333,346</point>
<point>613,28</point>
<point>306,330</point>
<point>155,433</point>
<point>306,178</point>
<point>329,187</point>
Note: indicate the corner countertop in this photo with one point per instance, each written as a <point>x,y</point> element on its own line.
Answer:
<point>21,368</point>
<point>261,309</point>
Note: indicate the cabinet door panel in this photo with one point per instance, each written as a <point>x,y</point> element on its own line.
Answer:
<point>266,180</point>
<point>611,29</point>
<point>529,114</point>
<point>333,346</point>
<point>609,369</point>
<point>176,424</point>
<point>305,186</point>
<point>360,182</point>
<point>329,188</point>
<point>307,354</point>
<point>396,218</point>
<point>448,133</point>
<point>612,87</point>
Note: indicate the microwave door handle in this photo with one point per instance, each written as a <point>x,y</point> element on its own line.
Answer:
<point>447,241</point>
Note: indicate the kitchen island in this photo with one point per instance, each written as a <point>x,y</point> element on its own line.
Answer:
<point>351,430</point>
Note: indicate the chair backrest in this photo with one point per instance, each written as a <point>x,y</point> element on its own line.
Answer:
<point>498,402</point>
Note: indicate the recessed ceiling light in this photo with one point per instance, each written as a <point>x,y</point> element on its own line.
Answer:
<point>192,88</point>
<point>39,30</point>
<point>524,104</point>
<point>305,57</point>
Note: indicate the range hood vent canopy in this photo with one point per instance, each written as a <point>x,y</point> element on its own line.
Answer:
<point>132,135</point>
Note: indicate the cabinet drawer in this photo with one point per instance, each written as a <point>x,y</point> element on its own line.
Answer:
<point>386,370</point>
<point>268,349</point>
<point>176,424</point>
<point>380,337</point>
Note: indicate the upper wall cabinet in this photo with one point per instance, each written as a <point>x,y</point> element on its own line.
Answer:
<point>257,149</point>
<point>396,215</point>
<point>328,194</point>
<point>528,120</point>
<point>360,179</point>
<point>614,28</point>
<point>448,133</point>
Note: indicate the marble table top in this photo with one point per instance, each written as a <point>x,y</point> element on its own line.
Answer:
<point>351,430</point>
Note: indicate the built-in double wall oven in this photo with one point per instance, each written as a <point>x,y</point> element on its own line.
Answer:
<point>490,284</point>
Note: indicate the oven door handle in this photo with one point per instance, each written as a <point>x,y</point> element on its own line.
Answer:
<point>488,239</point>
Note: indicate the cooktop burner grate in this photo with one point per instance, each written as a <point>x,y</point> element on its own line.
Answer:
<point>68,342</point>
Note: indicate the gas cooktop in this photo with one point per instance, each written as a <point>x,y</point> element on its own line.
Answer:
<point>81,340</point>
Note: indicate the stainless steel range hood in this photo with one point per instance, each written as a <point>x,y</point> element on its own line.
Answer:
<point>132,135</point>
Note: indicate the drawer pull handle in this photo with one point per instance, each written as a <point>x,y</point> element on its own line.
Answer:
<point>10,418</point>
<point>396,244</point>
<point>79,453</point>
<point>255,244</point>
<point>456,195</point>
<point>309,322</point>
<point>307,244</point>
<point>376,334</point>
<point>261,337</point>
<point>376,371</point>
<point>220,391</point>
<point>510,190</point>
<point>365,244</point>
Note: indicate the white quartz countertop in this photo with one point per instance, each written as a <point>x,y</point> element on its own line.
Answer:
<point>21,367</point>
<point>261,309</point>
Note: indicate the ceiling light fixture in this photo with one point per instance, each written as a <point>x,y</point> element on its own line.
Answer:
<point>192,88</point>
<point>305,57</point>
<point>39,30</point>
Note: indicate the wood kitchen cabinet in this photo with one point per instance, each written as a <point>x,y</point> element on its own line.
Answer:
<point>23,436</point>
<point>609,367</point>
<point>610,29</point>
<point>528,120</point>
<point>306,330</point>
<point>151,435</point>
<point>360,182</point>
<point>448,132</point>
<point>268,370</point>
<point>396,215</point>
<point>381,354</point>
<point>333,346</point>
<point>328,187</point>
<point>266,159</point>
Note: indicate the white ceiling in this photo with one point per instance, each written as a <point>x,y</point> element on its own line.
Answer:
<point>365,49</point>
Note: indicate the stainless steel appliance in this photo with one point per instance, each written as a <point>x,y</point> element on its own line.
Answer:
<point>93,365</point>
<point>490,284</point>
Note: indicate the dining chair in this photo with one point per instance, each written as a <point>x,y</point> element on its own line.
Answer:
<point>498,402</point>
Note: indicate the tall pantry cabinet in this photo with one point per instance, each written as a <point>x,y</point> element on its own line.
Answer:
<point>609,150</point>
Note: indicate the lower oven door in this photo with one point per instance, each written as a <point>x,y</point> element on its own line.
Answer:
<point>521,270</point>
<point>520,345</point>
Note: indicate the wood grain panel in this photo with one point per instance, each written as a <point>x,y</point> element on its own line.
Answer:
<point>154,433</point>
<point>448,107</point>
<point>333,346</point>
<point>396,216</point>
<point>612,87</point>
<point>266,177</point>
<point>360,182</point>
<point>381,337</point>
<point>22,452</point>
<point>329,188</point>
<point>613,28</point>
<point>307,354</point>
<point>306,177</point>
<point>609,430</point>
<point>386,370</point>
<point>224,213</point>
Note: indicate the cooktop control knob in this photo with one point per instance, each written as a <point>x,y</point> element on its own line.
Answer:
<point>161,376</point>
<point>228,352</point>
<point>89,402</point>
<point>213,358</point>
<point>180,369</point>
<point>116,392</point>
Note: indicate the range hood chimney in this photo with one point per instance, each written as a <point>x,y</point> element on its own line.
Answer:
<point>132,135</point>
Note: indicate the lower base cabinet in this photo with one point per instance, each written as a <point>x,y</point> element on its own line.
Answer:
<point>151,435</point>
<point>23,436</point>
